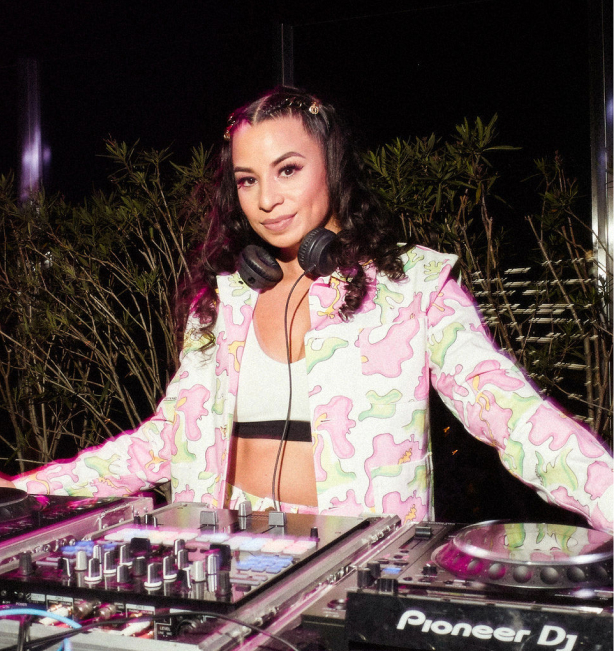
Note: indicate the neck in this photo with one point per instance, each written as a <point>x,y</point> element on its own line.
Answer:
<point>291,268</point>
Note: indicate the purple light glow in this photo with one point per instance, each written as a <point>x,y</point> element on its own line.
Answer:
<point>34,154</point>
<point>31,165</point>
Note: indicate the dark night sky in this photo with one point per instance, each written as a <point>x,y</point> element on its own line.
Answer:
<point>168,73</point>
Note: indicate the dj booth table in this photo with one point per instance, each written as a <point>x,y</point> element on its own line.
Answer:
<point>220,580</point>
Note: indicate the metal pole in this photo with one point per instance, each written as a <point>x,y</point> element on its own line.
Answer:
<point>600,48</point>
<point>31,137</point>
<point>285,53</point>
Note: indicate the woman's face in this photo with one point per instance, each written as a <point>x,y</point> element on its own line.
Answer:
<point>280,172</point>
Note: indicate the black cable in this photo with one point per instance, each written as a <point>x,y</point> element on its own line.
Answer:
<point>276,502</point>
<point>41,644</point>
<point>24,632</point>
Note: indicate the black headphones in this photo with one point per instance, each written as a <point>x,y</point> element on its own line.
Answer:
<point>316,255</point>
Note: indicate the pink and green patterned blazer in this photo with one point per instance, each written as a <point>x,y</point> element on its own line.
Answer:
<point>368,395</point>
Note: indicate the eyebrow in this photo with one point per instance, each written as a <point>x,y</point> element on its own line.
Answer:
<point>276,162</point>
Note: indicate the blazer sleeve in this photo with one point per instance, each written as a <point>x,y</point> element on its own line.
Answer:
<point>543,447</point>
<point>129,462</point>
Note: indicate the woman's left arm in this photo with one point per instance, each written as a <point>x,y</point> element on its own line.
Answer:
<point>546,449</point>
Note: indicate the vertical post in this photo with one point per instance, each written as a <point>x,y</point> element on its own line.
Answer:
<point>285,54</point>
<point>600,48</point>
<point>31,137</point>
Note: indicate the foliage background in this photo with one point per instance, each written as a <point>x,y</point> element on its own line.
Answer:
<point>88,338</point>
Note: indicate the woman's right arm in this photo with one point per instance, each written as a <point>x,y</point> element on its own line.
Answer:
<point>124,464</point>
<point>5,482</point>
<point>130,462</point>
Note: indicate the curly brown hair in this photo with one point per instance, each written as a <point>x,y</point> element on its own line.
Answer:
<point>367,234</point>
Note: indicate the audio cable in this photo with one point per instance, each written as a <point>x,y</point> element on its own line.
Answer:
<point>274,486</point>
<point>64,636</point>
<point>34,612</point>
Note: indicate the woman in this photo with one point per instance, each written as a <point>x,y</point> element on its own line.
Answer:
<point>369,325</point>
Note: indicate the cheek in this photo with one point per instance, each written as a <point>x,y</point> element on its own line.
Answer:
<point>246,206</point>
<point>318,195</point>
<point>322,200</point>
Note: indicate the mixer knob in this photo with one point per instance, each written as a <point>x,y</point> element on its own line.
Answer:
<point>387,585</point>
<point>178,545</point>
<point>209,519</point>
<point>93,571</point>
<point>139,566</point>
<point>213,562</point>
<point>224,555</point>
<point>423,531</point>
<point>66,567</point>
<point>185,580</point>
<point>108,564</point>
<point>224,585</point>
<point>375,569</point>
<point>182,559</point>
<point>197,571</point>
<point>153,575</point>
<point>140,546</point>
<point>363,577</point>
<point>123,574</point>
<point>429,569</point>
<point>123,553</point>
<point>199,590</point>
<point>97,552</point>
<point>81,561</point>
<point>169,573</point>
<point>151,520</point>
<point>245,509</point>
<point>26,565</point>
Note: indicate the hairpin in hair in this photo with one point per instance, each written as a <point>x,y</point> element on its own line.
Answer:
<point>293,102</point>
<point>230,123</point>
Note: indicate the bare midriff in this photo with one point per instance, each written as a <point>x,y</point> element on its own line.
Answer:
<point>252,470</point>
<point>252,460</point>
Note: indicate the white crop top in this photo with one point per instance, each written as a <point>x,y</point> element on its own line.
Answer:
<point>263,386</point>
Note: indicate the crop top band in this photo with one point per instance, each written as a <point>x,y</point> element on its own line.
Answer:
<point>298,430</point>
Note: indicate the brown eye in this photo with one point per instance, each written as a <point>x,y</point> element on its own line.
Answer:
<point>289,170</point>
<point>245,181</point>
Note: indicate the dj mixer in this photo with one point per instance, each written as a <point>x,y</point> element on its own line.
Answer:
<point>219,579</point>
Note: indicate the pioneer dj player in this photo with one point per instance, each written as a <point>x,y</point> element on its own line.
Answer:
<point>495,585</point>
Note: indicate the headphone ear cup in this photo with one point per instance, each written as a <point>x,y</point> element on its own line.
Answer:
<point>258,268</point>
<point>318,251</point>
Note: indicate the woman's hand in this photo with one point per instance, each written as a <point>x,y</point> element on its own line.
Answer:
<point>5,482</point>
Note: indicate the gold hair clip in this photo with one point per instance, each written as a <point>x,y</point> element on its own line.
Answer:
<point>230,124</point>
<point>314,109</point>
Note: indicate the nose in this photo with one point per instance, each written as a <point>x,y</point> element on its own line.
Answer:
<point>270,196</point>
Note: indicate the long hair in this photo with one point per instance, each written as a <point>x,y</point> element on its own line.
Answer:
<point>367,234</point>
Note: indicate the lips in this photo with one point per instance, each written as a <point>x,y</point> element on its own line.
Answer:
<point>277,224</point>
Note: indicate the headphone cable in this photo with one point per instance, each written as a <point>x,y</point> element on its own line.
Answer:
<point>274,486</point>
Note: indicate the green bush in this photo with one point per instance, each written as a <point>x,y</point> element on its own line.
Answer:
<point>88,338</point>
